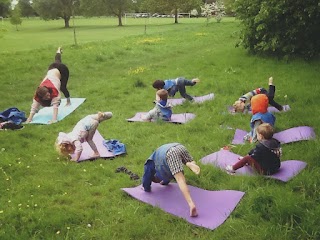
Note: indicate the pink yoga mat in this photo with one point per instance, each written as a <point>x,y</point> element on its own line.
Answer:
<point>87,151</point>
<point>287,136</point>
<point>270,109</point>
<point>175,118</point>
<point>213,207</point>
<point>222,158</point>
<point>200,99</point>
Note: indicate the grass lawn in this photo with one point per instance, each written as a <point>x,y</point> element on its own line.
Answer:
<point>47,197</point>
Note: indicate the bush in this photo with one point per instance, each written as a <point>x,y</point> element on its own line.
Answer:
<point>280,27</point>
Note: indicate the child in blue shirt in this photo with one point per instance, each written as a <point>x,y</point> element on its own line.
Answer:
<point>166,163</point>
<point>175,85</point>
<point>162,109</point>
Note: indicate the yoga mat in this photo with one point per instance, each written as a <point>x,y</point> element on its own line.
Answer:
<point>175,118</point>
<point>45,114</point>
<point>200,99</point>
<point>87,151</point>
<point>213,207</point>
<point>287,136</point>
<point>222,158</point>
<point>270,109</point>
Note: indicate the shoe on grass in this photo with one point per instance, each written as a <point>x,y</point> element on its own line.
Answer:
<point>230,170</point>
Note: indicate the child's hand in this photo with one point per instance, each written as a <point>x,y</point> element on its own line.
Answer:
<point>52,121</point>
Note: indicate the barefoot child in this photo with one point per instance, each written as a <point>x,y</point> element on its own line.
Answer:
<point>69,143</point>
<point>265,157</point>
<point>48,93</point>
<point>175,85</point>
<point>243,103</point>
<point>166,163</point>
<point>162,110</point>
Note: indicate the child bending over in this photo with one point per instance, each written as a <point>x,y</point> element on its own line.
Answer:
<point>175,85</point>
<point>162,109</point>
<point>48,92</point>
<point>243,103</point>
<point>69,143</point>
<point>166,163</point>
<point>265,157</point>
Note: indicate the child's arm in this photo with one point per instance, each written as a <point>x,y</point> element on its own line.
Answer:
<point>91,142</point>
<point>186,193</point>
<point>78,150</point>
<point>148,175</point>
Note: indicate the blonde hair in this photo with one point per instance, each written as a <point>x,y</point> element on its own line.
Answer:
<point>237,106</point>
<point>163,94</point>
<point>266,130</point>
<point>64,149</point>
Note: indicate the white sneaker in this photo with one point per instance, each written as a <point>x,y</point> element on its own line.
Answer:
<point>230,170</point>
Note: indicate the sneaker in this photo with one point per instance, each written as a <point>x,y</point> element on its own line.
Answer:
<point>230,170</point>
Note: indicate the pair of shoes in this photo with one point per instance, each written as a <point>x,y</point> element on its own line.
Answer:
<point>230,170</point>
<point>120,169</point>
<point>134,176</point>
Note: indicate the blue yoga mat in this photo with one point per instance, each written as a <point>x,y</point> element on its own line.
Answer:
<point>45,114</point>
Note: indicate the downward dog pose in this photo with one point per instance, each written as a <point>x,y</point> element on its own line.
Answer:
<point>243,103</point>
<point>166,163</point>
<point>175,85</point>
<point>69,143</point>
<point>48,93</point>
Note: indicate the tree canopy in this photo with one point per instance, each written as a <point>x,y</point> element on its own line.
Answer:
<point>4,7</point>
<point>26,8</point>
<point>53,9</point>
<point>280,27</point>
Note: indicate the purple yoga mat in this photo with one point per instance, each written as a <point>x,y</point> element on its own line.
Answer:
<point>213,207</point>
<point>87,151</point>
<point>222,158</point>
<point>287,136</point>
<point>270,109</point>
<point>175,118</point>
<point>200,99</point>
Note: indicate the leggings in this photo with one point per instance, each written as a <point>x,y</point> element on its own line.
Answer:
<point>248,160</point>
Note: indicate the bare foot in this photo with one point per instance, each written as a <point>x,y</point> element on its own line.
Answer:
<point>270,80</point>
<point>195,80</point>
<point>193,212</point>
<point>193,167</point>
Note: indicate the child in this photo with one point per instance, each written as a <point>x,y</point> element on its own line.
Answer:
<point>244,101</point>
<point>260,114</point>
<point>265,157</point>
<point>166,163</point>
<point>162,110</point>
<point>48,93</point>
<point>69,143</point>
<point>175,85</point>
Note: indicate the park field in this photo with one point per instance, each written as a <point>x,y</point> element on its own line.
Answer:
<point>44,196</point>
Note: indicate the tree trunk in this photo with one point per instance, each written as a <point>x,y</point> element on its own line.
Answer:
<point>120,20</point>
<point>176,15</point>
<point>66,22</point>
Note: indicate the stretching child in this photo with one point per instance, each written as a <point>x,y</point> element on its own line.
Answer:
<point>48,93</point>
<point>162,109</point>
<point>260,114</point>
<point>243,103</point>
<point>175,85</point>
<point>69,143</point>
<point>265,157</point>
<point>166,163</point>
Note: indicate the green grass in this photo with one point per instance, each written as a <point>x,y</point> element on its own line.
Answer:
<point>44,197</point>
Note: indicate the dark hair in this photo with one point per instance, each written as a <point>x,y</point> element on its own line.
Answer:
<point>266,130</point>
<point>41,92</point>
<point>163,94</point>
<point>158,84</point>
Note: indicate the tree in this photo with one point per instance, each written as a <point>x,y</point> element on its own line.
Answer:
<point>4,7</point>
<point>15,18</point>
<point>54,9</point>
<point>169,6</point>
<point>106,7</point>
<point>280,27</point>
<point>26,8</point>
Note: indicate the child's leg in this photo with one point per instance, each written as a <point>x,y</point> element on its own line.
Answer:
<point>271,92</point>
<point>181,83</point>
<point>247,160</point>
<point>57,57</point>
